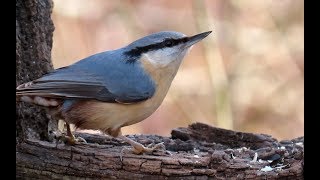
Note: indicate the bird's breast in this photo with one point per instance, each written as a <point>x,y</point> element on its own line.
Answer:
<point>105,116</point>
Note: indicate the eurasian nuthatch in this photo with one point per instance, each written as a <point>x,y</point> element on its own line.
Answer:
<point>112,89</point>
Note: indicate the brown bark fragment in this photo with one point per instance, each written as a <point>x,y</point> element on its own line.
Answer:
<point>152,167</point>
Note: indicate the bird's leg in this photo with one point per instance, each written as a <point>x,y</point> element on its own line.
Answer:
<point>69,138</point>
<point>73,139</point>
<point>138,148</point>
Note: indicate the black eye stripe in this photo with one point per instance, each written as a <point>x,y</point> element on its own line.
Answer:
<point>169,42</point>
<point>172,42</point>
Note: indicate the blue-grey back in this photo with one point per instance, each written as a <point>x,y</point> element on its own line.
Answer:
<point>117,72</point>
<point>110,75</point>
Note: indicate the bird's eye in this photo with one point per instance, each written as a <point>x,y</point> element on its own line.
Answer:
<point>168,43</point>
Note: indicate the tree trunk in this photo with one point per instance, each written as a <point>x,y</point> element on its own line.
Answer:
<point>34,31</point>
<point>196,152</point>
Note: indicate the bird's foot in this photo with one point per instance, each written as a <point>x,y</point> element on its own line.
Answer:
<point>138,148</point>
<point>71,140</point>
<point>69,137</point>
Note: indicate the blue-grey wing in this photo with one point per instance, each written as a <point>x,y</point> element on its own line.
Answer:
<point>104,77</point>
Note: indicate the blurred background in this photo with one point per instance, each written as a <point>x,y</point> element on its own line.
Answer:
<point>248,75</point>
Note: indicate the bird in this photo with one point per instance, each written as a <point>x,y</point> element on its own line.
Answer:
<point>112,89</point>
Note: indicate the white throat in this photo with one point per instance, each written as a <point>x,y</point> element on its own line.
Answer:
<point>164,57</point>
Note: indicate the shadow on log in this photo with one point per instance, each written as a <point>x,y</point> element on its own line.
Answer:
<point>197,152</point>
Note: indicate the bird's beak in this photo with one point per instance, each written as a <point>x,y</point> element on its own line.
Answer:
<point>196,38</point>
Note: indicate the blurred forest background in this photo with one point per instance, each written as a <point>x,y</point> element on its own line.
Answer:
<point>247,75</point>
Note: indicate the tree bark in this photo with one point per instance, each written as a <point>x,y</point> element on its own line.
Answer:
<point>196,152</point>
<point>34,31</point>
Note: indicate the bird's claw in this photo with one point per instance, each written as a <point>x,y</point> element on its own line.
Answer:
<point>70,140</point>
<point>151,147</point>
<point>139,149</point>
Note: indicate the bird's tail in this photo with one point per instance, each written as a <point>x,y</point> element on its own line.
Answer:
<point>25,93</point>
<point>21,90</point>
<point>26,89</point>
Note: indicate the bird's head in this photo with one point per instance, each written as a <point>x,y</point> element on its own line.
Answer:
<point>163,48</point>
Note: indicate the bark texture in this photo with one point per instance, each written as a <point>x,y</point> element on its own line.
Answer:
<point>34,31</point>
<point>197,152</point>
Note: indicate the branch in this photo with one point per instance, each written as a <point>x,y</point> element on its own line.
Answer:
<point>199,151</point>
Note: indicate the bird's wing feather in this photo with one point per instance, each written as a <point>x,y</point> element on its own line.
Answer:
<point>84,82</point>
